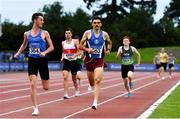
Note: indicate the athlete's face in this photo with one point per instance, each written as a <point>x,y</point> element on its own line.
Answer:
<point>39,21</point>
<point>68,34</point>
<point>126,42</point>
<point>96,24</point>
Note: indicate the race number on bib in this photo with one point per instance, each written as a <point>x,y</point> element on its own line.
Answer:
<point>34,48</point>
<point>96,50</point>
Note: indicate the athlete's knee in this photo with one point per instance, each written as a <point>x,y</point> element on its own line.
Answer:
<point>33,85</point>
<point>130,74</point>
<point>98,81</point>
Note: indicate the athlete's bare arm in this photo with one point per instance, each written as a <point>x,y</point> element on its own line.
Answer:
<point>154,59</point>
<point>118,53</point>
<point>62,56</point>
<point>23,46</point>
<point>138,56</point>
<point>49,42</point>
<point>83,41</point>
<point>109,43</point>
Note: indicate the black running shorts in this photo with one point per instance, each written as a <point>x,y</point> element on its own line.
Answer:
<point>70,66</point>
<point>164,65</point>
<point>38,64</point>
<point>170,66</point>
<point>125,69</point>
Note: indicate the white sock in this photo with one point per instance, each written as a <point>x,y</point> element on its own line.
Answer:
<point>95,102</point>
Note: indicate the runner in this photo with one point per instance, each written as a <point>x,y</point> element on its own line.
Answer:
<point>171,64</point>
<point>127,67</point>
<point>79,66</point>
<point>164,60</point>
<point>36,40</point>
<point>156,61</point>
<point>95,51</point>
<point>69,58</point>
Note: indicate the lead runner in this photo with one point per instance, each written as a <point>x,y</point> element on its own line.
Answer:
<point>95,49</point>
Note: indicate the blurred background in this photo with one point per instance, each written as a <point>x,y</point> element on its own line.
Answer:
<point>151,25</point>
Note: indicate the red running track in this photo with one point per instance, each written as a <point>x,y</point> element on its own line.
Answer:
<point>15,100</point>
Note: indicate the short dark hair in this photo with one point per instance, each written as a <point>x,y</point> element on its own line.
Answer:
<point>126,37</point>
<point>96,18</point>
<point>36,15</point>
<point>69,29</point>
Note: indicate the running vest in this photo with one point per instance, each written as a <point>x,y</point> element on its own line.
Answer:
<point>97,44</point>
<point>163,58</point>
<point>69,49</point>
<point>171,60</point>
<point>126,56</point>
<point>36,44</point>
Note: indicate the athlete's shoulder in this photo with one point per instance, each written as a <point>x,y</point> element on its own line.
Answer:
<point>105,33</point>
<point>120,48</point>
<point>88,31</point>
<point>45,32</point>
<point>133,48</point>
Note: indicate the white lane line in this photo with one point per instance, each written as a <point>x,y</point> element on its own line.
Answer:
<point>88,108</point>
<point>26,82</point>
<point>72,87</point>
<point>150,110</point>
<point>53,101</point>
<point>23,89</point>
<point>39,82</point>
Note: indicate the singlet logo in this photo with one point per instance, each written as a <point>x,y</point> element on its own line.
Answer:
<point>126,54</point>
<point>96,41</point>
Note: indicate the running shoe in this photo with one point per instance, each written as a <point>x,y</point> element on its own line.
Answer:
<point>66,97</point>
<point>90,88</point>
<point>35,112</point>
<point>77,93</point>
<point>129,94</point>
<point>94,107</point>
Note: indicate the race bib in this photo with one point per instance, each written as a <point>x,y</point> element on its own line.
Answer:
<point>34,48</point>
<point>97,50</point>
<point>69,55</point>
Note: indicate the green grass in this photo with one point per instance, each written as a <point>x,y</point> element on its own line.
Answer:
<point>170,108</point>
<point>147,54</point>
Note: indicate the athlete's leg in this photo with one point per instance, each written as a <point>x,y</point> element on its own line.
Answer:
<point>45,84</point>
<point>79,76</point>
<point>90,75</point>
<point>130,76</point>
<point>33,91</point>
<point>74,79</point>
<point>65,83</point>
<point>126,84</point>
<point>98,76</point>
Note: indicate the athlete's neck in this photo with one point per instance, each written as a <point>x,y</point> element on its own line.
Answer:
<point>68,39</point>
<point>126,46</point>
<point>96,31</point>
<point>35,29</point>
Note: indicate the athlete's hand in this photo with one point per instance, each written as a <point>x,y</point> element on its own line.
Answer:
<point>42,54</point>
<point>90,50</point>
<point>16,55</point>
<point>107,52</point>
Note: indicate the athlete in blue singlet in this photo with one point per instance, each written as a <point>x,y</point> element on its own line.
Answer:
<point>36,39</point>
<point>95,50</point>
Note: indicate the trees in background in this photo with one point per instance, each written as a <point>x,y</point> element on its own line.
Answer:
<point>120,17</point>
